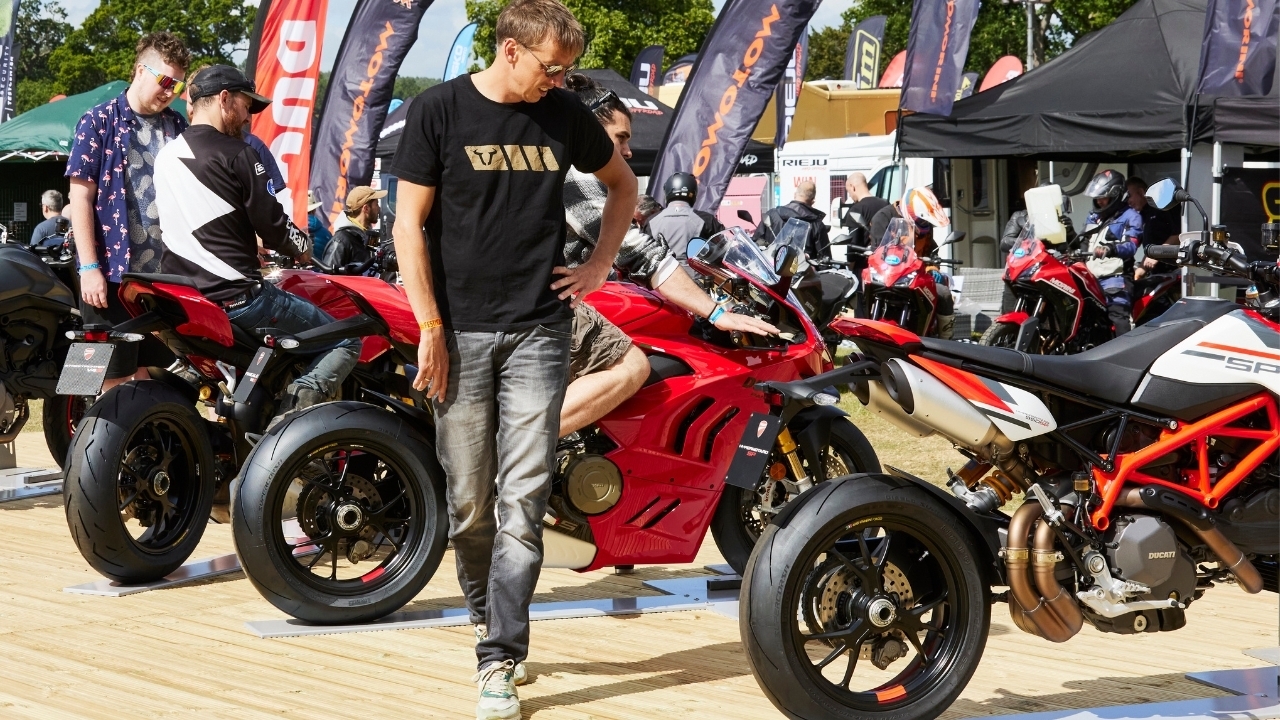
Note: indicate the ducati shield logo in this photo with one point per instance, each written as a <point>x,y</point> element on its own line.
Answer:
<point>88,353</point>
<point>764,425</point>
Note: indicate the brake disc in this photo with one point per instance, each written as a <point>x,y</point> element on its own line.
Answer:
<point>314,499</point>
<point>831,588</point>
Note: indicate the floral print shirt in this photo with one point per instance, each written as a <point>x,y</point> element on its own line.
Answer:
<point>100,154</point>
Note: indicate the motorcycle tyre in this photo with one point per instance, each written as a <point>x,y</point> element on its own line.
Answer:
<point>1003,335</point>
<point>97,449</point>
<point>58,431</point>
<point>261,481</point>
<point>731,535</point>
<point>772,582</point>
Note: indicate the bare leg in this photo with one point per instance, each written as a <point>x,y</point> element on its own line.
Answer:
<point>591,397</point>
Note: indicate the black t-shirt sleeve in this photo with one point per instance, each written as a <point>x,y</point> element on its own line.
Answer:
<point>418,157</point>
<point>265,212</point>
<point>591,149</point>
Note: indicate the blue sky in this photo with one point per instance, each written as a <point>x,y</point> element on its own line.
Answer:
<point>441,23</point>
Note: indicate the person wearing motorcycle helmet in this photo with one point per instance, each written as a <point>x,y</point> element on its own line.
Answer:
<point>924,212</point>
<point>1113,246</point>
<point>680,222</point>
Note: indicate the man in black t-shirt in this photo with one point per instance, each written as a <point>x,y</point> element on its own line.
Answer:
<point>482,163</point>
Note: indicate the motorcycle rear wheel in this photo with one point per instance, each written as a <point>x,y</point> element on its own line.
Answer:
<point>333,486</point>
<point>739,522</point>
<point>869,603</point>
<point>139,482</point>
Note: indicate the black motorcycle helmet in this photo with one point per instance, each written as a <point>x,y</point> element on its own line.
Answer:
<point>1107,190</point>
<point>681,186</point>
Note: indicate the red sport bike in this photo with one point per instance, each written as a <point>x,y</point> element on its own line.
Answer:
<point>1061,309</point>
<point>896,287</point>
<point>1145,469</point>
<point>339,513</point>
<point>150,457</point>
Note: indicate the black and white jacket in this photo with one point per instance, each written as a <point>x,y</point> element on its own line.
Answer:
<point>213,197</point>
<point>641,259</point>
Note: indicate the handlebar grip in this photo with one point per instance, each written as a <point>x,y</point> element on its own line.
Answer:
<point>1163,252</point>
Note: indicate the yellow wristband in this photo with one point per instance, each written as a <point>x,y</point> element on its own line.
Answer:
<point>430,324</point>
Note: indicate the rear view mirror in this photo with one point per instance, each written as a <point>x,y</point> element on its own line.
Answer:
<point>1166,194</point>
<point>954,237</point>
<point>841,239</point>
<point>745,216</point>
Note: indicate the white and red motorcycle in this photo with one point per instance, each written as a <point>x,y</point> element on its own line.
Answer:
<point>1149,470</point>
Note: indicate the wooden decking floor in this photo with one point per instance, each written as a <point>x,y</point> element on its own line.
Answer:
<point>184,652</point>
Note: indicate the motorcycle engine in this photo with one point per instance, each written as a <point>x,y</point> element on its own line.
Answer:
<point>1144,549</point>
<point>8,410</point>
<point>593,483</point>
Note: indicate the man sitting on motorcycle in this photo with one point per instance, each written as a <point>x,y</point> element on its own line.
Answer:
<point>213,196</point>
<point>922,209</point>
<point>605,368</point>
<point>1113,247</point>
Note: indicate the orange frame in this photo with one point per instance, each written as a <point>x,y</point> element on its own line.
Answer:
<point>1195,483</point>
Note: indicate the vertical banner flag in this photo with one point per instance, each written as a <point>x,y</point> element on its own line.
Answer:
<point>284,62</point>
<point>936,49</point>
<point>8,58</point>
<point>1002,71</point>
<point>862,54</point>
<point>646,72</point>
<point>364,74</point>
<point>1238,53</point>
<point>967,82</point>
<point>735,74</point>
<point>788,94</point>
<point>460,53</point>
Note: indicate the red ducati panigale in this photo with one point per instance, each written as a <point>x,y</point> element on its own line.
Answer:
<point>896,288</point>
<point>1061,308</point>
<point>145,467</point>
<point>337,516</point>
<point>1147,473</point>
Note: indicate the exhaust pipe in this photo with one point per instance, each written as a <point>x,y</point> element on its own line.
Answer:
<point>1025,603</point>
<point>1247,576</point>
<point>1044,560</point>
<point>562,551</point>
<point>929,402</point>
<point>879,402</point>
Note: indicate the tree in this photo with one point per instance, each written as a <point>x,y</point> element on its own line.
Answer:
<point>1001,29</point>
<point>617,30</point>
<point>41,28</point>
<point>102,48</point>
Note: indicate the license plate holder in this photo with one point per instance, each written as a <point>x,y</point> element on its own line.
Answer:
<point>753,451</point>
<point>85,370</point>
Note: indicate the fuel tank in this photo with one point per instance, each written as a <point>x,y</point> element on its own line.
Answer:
<point>22,273</point>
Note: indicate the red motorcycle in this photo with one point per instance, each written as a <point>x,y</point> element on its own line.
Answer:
<point>1061,309</point>
<point>339,515</point>
<point>897,288</point>
<point>145,466</point>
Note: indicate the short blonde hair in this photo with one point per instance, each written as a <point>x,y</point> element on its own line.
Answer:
<point>533,22</point>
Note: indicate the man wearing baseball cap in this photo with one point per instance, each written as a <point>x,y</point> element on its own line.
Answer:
<point>350,243</point>
<point>214,196</point>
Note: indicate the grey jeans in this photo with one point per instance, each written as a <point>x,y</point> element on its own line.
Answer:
<point>278,309</point>
<point>496,436</point>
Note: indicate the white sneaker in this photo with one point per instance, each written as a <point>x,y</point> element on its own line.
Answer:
<point>521,674</point>
<point>498,699</point>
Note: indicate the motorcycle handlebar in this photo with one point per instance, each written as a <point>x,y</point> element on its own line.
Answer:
<point>1163,252</point>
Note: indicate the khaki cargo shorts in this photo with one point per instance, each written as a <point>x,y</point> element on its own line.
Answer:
<point>597,343</point>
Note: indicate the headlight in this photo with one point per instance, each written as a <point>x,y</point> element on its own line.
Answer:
<point>905,280</point>
<point>876,277</point>
<point>1030,272</point>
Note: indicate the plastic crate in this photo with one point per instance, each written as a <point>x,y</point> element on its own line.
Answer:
<point>983,285</point>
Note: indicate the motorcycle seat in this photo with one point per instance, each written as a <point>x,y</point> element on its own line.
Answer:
<point>182,280</point>
<point>1111,371</point>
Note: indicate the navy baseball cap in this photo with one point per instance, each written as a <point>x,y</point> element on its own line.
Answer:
<point>216,78</point>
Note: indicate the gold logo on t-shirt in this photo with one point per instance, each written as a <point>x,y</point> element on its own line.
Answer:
<point>537,158</point>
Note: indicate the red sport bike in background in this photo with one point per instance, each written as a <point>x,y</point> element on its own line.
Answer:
<point>896,287</point>
<point>339,512</point>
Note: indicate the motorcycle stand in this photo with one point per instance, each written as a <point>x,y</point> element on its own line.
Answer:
<point>717,593</point>
<point>194,570</point>
<point>20,483</point>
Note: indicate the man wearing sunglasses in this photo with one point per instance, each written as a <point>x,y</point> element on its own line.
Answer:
<point>482,164</point>
<point>113,195</point>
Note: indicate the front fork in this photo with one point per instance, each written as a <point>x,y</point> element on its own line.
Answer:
<point>786,445</point>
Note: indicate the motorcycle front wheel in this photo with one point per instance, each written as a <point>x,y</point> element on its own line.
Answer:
<point>339,514</point>
<point>869,603</point>
<point>741,517</point>
<point>60,415</point>
<point>139,482</point>
<point>1005,335</point>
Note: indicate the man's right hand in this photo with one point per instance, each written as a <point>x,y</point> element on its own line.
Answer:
<point>93,288</point>
<point>433,365</point>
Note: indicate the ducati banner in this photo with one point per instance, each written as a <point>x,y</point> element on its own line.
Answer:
<point>788,94</point>
<point>364,73</point>
<point>862,54</point>
<point>1238,53</point>
<point>460,53</point>
<point>284,62</point>
<point>967,82</point>
<point>646,73</point>
<point>8,88</point>
<point>739,67</point>
<point>936,49</point>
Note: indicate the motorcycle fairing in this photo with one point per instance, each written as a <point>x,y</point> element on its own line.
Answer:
<point>1239,347</point>
<point>1017,413</point>
<point>1023,256</point>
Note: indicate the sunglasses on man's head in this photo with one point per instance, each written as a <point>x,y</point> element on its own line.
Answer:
<point>603,99</point>
<point>550,70</point>
<point>173,85</point>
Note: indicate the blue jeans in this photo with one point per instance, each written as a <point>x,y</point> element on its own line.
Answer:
<point>496,435</point>
<point>275,308</point>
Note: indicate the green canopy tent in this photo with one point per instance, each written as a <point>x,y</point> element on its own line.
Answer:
<point>44,133</point>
